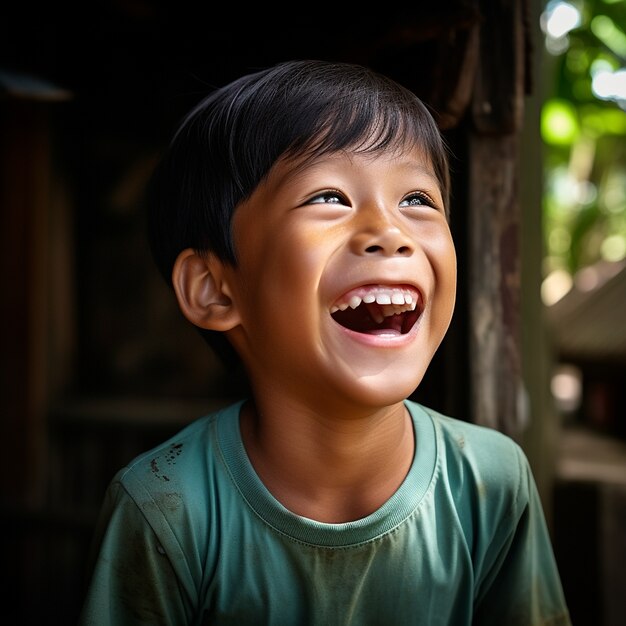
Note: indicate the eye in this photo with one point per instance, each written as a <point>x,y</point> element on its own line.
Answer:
<point>418,198</point>
<point>328,197</point>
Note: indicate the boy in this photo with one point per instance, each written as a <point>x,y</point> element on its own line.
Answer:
<point>300,215</point>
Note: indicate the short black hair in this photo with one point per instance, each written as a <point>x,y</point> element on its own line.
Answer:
<point>228,143</point>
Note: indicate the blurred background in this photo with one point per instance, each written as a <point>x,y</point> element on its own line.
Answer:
<point>583,129</point>
<point>96,362</point>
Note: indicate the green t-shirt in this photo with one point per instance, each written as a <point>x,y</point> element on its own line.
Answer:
<point>188,534</point>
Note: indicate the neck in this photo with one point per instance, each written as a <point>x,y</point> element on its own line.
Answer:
<point>329,467</point>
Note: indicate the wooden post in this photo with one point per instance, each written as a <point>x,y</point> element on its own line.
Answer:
<point>497,396</point>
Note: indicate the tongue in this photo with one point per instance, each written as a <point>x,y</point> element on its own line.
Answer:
<point>384,331</point>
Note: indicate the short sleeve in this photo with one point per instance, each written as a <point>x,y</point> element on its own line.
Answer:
<point>522,585</point>
<point>132,579</point>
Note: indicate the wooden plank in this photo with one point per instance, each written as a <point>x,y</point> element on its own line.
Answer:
<point>24,167</point>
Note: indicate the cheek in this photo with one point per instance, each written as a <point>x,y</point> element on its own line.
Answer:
<point>442,257</point>
<point>446,262</point>
<point>280,276</point>
<point>295,258</point>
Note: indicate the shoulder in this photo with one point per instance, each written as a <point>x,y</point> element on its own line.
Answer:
<point>178,490</point>
<point>463,438</point>
<point>173,480</point>
<point>483,446</point>
<point>481,465</point>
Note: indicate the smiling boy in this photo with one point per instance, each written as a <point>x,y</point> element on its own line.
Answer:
<point>300,214</point>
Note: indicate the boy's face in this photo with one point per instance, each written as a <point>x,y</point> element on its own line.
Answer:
<point>346,278</point>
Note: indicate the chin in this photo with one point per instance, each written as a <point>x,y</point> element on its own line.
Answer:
<point>384,388</point>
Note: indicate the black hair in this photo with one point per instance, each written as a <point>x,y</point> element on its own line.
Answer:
<point>229,142</point>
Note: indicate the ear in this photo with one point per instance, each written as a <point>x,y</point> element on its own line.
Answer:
<point>202,292</point>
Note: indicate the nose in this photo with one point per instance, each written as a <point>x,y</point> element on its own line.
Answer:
<point>377,234</point>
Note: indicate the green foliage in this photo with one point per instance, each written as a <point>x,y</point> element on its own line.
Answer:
<point>583,127</point>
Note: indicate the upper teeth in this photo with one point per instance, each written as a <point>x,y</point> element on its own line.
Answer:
<point>399,300</point>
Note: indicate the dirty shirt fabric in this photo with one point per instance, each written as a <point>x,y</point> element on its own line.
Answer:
<point>188,534</point>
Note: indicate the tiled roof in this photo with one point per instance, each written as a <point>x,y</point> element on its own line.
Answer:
<point>589,322</point>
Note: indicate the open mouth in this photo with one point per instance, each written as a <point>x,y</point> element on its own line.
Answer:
<point>378,310</point>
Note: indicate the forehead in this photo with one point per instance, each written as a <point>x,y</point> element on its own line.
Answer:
<point>410,160</point>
